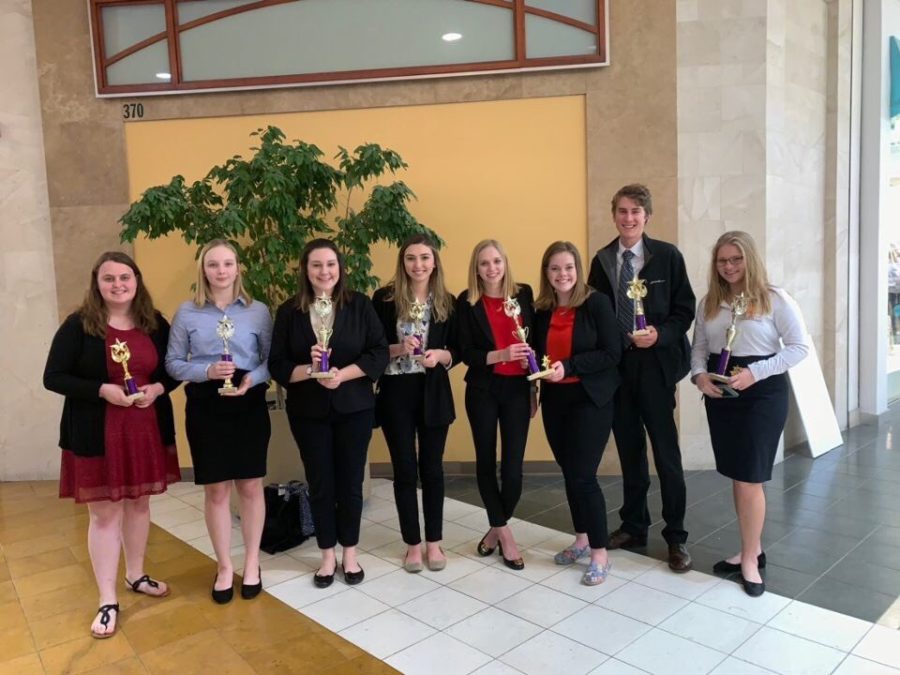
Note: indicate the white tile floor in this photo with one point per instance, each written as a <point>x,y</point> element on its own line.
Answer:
<point>476,616</point>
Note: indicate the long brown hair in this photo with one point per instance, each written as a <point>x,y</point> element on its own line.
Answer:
<point>546,298</point>
<point>476,287</point>
<point>400,290</point>
<point>305,294</point>
<point>93,311</point>
<point>201,290</point>
<point>756,281</point>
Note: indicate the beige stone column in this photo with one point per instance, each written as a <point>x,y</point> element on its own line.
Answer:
<point>29,416</point>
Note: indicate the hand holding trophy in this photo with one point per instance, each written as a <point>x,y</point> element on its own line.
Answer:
<point>637,291</point>
<point>121,354</point>
<point>417,316</point>
<point>739,308</point>
<point>323,308</point>
<point>225,331</point>
<point>512,309</point>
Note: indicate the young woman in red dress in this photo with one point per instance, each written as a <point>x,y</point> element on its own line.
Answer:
<point>117,449</point>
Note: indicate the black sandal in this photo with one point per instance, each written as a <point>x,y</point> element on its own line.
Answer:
<point>135,586</point>
<point>105,618</point>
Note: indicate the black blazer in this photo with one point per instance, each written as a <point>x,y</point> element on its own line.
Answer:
<point>596,347</point>
<point>358,339</point>
<point>76,367</point>
<point>439,409</point>
<point>476,338</point>
<point>669,305</point>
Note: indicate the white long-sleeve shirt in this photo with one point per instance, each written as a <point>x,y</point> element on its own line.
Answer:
<point>756,336</point>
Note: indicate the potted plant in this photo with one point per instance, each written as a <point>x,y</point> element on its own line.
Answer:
<point>268,206</point>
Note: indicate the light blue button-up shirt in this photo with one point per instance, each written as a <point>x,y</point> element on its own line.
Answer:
<point>194,343</point>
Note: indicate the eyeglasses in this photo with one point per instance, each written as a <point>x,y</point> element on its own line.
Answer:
<point>734,262</point>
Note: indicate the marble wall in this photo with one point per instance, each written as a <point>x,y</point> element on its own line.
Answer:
<point>28,413</point>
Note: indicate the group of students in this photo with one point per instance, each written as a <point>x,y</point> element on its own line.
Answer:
<point>388,360</point>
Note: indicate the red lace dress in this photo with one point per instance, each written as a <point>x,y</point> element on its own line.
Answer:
<point>135,462</point>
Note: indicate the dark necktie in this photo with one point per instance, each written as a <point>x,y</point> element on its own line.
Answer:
<point>624,304</point>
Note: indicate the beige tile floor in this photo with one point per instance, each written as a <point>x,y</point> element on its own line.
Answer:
<point>48,599</point>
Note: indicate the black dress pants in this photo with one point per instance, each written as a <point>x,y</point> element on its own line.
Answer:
<point>333,450</point>
<point>506,402</point>
<point>402,416</point>
<point>643,400</point>
<point>577,431</point>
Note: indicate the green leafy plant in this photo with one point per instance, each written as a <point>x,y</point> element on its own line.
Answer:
<point>271,204</point>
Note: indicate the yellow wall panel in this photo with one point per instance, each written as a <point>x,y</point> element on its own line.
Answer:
<point>509,170</point>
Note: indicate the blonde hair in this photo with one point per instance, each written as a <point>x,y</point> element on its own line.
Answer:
<point>756,281</point>
<point>476,288</point>
<point>401,292</point>
<point>202,294</point>
<point>546,298</point>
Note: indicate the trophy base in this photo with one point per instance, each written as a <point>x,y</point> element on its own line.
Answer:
<point>722,383</point>
<point>322,376</point>
<point>715,377</point>
<point>642,331</point>
<point>228,391</point>
<point>417,357</point>
<point>135,397</point>
<point>540,375</point>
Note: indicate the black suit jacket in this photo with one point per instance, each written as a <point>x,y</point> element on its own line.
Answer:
<point>76,367</point>
<point>596,347</point>
<point>439,409</point>
<point>669,305</point>
<point>358,339</point>
<point>476,338</point>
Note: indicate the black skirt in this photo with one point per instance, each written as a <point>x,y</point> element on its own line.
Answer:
<point>745,430</point>
<point>228,435</point>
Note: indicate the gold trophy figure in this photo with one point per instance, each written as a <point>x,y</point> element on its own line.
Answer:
<point>637,291</point>
<point>323,308</point>
<point>225,331</point>
<point>417,316</point>
<point>512,309</point>
<point>739,307</point>
<point>121,354</point>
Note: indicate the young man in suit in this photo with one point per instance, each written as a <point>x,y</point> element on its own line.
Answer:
<point>652,364</point>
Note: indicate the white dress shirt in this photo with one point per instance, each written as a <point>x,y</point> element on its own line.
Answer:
<point>781,333</point>
<point>637,262</point>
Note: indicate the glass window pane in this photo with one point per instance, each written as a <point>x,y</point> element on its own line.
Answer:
<point>315,36</point>
<point>583,10</point>
<point>195,9</point>
<point>144,67</point>
<point>124,26</point>
<point>544,38</point>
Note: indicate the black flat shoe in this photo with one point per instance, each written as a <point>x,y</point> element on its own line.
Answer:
<point>353,578</point>
<point>517,564</point>
<point>752,588</point>
<point>725,567</point>
<point>323,580</point>
<point>224,596</point>
<point>483,549</point>
<point>250,591</point>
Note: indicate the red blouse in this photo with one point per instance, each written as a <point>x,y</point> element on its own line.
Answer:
<point>502,328</point>
<point>559,338</point>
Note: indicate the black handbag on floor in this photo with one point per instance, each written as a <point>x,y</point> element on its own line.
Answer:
<point>288,516</point>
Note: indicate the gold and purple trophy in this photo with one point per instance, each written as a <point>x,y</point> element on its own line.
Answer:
<point>323,308</point>
<point>512,309</point>
<point>121,354</point>
<point>738,309</point>
<point>637,291</point>
<point>225,331</point>
<point>417,316</point>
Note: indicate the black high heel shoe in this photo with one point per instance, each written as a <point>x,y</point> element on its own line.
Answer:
<point>517,564</point>
<point>725,567</point>
<point>752,588</point>
<point>483,549</point>
<point>250,591</point>
<point>224,596</point>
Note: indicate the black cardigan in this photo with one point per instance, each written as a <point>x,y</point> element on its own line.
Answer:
<point>669,305</point>
<point>76,367</point>
<point>476,338</point>
<point>358,339</point>
<point>596,347</point>
<point>439,409</point>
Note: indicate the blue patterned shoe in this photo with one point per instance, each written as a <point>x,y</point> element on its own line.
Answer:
<point>571,554</point>
<point>596,574</point>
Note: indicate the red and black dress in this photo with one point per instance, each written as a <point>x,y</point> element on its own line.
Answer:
<point>111,452</point>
